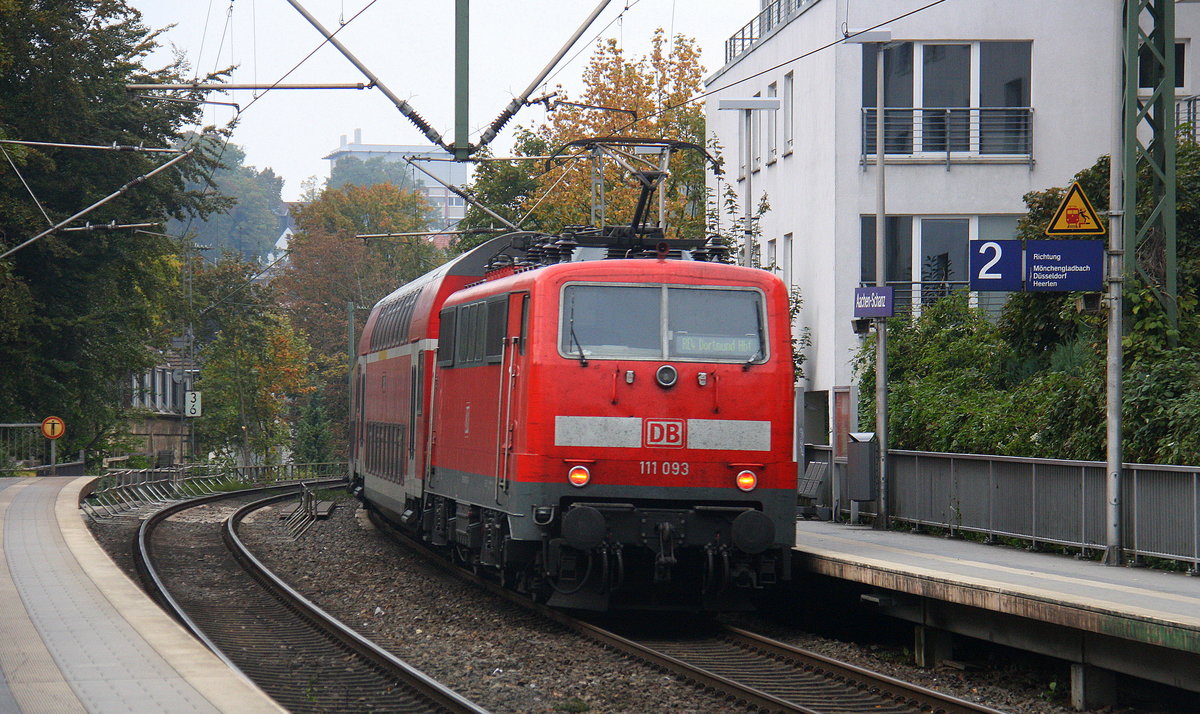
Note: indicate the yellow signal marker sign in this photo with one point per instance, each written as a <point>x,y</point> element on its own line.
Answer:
<point>1075,216</point>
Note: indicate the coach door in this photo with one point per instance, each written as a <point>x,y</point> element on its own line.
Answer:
<point>512,359</point>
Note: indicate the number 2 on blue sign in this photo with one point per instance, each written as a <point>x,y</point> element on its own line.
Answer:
<point>996,265</point>
<point>985,272</point>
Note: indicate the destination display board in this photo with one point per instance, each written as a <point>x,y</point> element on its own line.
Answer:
<point>1064,265</point>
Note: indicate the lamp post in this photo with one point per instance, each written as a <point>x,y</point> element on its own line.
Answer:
<point>881,38</point>
<point>747,106</point>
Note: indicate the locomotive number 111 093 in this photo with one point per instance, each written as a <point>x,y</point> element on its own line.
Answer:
<point>665,468</point>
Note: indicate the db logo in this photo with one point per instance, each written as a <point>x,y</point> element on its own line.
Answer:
<point>665,433</point>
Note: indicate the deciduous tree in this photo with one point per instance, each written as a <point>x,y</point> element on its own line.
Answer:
<point>654,88</point>
<point>82,310</point>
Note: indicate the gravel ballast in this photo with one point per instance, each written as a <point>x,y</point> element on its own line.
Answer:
<point>508,660</point>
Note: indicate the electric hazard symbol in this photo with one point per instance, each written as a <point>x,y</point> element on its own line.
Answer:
<point>1075,216</point>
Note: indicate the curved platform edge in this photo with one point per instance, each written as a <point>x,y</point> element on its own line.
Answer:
<point>225,689</point>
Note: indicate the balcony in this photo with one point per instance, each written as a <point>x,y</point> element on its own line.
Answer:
<point>1187,112</point>
<point>951,134</point>
<point>773,16</point>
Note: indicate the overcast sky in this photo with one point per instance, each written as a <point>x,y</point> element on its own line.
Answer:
<point>409,45</point>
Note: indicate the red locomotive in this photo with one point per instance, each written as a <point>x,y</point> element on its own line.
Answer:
<point>605,433</point>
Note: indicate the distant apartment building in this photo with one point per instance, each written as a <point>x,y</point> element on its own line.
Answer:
<point>449,208</point>
<point>984,102</point>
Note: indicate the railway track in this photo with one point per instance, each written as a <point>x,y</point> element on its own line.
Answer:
<point>303,658</point>
<point>749,670</point>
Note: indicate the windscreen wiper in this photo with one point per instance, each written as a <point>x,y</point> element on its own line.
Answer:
<point>582,360</point>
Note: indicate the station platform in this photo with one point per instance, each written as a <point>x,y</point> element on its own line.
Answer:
<point>77,635</point>
<point>1136,621</point>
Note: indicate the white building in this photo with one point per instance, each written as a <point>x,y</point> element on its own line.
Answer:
<point>449,207</point>
<point>986,101</point>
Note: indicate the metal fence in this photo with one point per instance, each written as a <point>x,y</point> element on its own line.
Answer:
<point>772,16</point>
<point>22,446</point>
<point>1040,500</point>
<point>909,297</point>
<point>121,491</point>
<point>1187,112</point>
<point>950,133</point>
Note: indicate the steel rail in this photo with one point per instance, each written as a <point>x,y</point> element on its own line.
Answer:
<point>153,581</point>
<point>751,698</point>
<point>896,689</point>
<point>365,648</point>
<point>839,674</point>
<point>422,688</point>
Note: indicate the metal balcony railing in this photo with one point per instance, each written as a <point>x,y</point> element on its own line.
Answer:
<point>951,132</point>
<point>1187,111</point>
<point>771,17</point>
<point>910,297</point>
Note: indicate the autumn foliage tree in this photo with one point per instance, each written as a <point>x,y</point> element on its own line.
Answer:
<point>328,269</point>
<point>254,362</point>
<point>655,88</point>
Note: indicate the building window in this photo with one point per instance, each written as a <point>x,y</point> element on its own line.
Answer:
<point>772,263</point>
<point>897,250</point>
<point>928,258</point>
<point>1146,66</point>
<point>943,256</point>
<point>772,130</point>
<point>965,97</point>
<point>786,259</point>
<point>789,94</point>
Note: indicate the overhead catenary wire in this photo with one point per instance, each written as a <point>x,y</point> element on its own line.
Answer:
<point>225,145</point>
<point>99,203</point>
<point>26,184</point>
<point>464,196</point>
<point>100,147</point>
<point>405,108</point>
<point>519,101</point>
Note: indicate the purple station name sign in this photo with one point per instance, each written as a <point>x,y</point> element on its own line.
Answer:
<point>874,302</point>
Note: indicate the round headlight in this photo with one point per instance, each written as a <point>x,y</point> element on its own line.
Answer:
<point>666,375</point>
<point>747,480</point>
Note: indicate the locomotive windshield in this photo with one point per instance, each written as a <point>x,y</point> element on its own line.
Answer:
<point>709,324</point>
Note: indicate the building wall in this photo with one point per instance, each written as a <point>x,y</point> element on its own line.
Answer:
<point>821,190</point>
<point>450,209</point>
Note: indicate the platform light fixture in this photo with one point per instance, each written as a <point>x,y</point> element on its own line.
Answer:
<point>748,105</point>
<point>882,38</point>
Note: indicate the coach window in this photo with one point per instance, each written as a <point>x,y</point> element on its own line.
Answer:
<point>497,320</point>
<point>524,322</point>
<point>445,350</point>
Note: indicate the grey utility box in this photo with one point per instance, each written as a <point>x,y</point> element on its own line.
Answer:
<point>862,466</point>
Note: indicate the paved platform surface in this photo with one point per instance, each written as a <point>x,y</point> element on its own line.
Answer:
<point>1148,606</point>
<point>77,635</point>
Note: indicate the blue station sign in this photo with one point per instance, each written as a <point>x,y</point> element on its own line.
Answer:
<point>1064,265</point>
<point>874,302</point>
<point>995,265</point>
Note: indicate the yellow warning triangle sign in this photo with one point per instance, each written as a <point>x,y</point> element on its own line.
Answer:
<point>1075,216</point>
